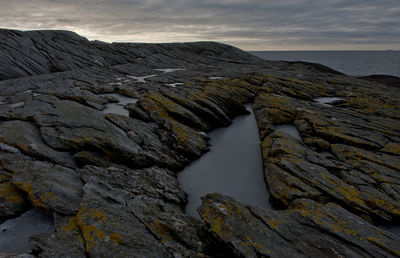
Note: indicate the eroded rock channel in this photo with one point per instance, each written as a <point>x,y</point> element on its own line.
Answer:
<point>330,152</point>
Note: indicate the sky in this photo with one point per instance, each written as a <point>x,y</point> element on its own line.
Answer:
<point>247,24</point>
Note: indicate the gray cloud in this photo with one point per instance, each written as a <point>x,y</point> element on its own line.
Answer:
<point>250,24</point>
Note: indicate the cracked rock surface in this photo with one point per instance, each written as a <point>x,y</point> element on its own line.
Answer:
<point>109,181</point>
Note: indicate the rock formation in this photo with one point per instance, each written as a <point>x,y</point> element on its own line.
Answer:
<point>110,180</point>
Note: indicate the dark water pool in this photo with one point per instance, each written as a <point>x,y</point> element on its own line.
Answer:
<point>233,167</point>
<point>15,233</point>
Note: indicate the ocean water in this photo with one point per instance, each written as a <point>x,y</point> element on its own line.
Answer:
<point>355,63</point>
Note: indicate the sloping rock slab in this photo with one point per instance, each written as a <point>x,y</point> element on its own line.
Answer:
<point>306,229</point>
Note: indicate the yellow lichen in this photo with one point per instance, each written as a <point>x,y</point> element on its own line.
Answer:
<point>90,232</point>
<point>116,238</point>
<point>10,192</point>
<point>393,148</point>
<point>71,226</point>
<point>273,224</point>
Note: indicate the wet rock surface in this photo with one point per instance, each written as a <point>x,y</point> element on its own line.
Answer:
<point>109,179</point>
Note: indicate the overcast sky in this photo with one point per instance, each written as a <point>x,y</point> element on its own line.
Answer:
<point>248,24</point>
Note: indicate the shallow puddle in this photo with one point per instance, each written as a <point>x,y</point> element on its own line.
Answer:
<point>15,105</point>
<point>122,100</point>
<point>115,108</point>
<point>173,85</point>
<point>289,129</point>
<point>326,101</point>
<point>170,70</point>
<point>233,167</point>
<point>141,79</point>
<point>118,108</point>
<point>14,233</point>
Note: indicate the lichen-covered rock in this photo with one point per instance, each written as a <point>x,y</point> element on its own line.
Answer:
<point>147,136</point>
<point>342,155</point>
<point>67,241</point>
<point>137,212</point>
<point>26,137</point>
<point>306,229</point>
<point>12,200</point>
<point>52,187</point>
<point>108,227</point>
<point>341,167</point>
<point>182,235</point>
<point>154,182</point>
<point>161,108</point>
<point>277,109</point>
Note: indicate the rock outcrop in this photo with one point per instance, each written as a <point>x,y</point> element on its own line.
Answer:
<point>331,231</point>
<point>109,179</point>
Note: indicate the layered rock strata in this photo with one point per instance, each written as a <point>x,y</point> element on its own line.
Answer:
<point>110,180</point>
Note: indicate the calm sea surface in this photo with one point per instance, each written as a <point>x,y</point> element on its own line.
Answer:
<point>357,63</point>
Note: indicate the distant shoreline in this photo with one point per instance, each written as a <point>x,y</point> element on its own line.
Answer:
<point>352,62</point>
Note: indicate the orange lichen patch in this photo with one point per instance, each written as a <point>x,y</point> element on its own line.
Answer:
<point>180,132</point>
<point>236,88</point>
<point>47,197</point>
<point>341,226</point>
<point>273,224</point>
<point>317,142</point>
<point>71,226</point>
<point>217,226</point>
<point>10,192</point>
<point>378,242</point>
<point>161,230</point>
<point>366,103</point>
<point>217,220</point>
<point>348,191</point>
<point>277,109</point>
<point>392,148</point>
<point>93,213</point>
<point>353,155</point>
<point>337,134</point>
<point>250,243</point>
<point>286,187</point>
<point>37,199</point>
<point>161,109</point>
<point>90,232</point>
<point>351,194</point>
<point>116,238</point>
<point>220,225</point>
<point>322,217</point>
<point>22,147</point>
<point>294,87</point>
<point>4,177</point>
<point>26,187</point>
<point>314,212</point>
<point>387,205</point>
<point>279,143</point>
<point>374,106</point>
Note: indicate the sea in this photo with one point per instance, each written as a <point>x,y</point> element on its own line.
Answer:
<point>355,63</point>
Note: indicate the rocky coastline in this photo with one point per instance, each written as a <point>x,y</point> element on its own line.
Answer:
<point>108,180</point>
